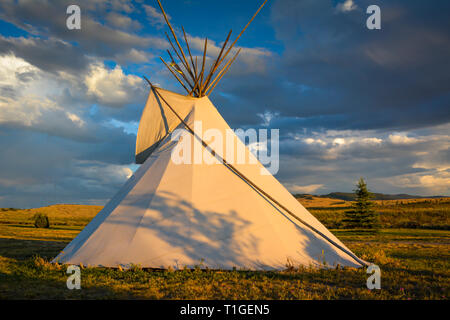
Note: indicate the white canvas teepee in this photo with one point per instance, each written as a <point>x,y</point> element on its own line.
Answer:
<point>176,215</point>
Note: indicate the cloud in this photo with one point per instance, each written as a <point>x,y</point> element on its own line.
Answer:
<point>402,139</point>
<point>83,182</point>
<point>249,61</point>
<point>60,105</point>
<point>121,21</point>
<point>29,103</point>
<point>346,6</point>
<point>372,141</point>
<point>60,137</point>
<point>304,189</point>
<point>75,119</point>
<point>112,87</point>
<point>14,71</point>
<point>339,141</point>
<point>54,149</point>
<point>416,166</point>
<point>155,17</point>
<point>98,173</point>
<point>349,102</point>
<point>315,141</point>
<point>52,54</point>
<point>44,19</point>
<point>395,78</point>
<point>437,183</point>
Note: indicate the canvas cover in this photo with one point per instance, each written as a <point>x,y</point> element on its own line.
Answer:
<point>157,121</point>
<point>176,215</point>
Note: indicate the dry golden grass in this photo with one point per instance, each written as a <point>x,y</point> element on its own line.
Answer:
<point>59,214</point>
<point>318,202</point>
<point>312,201</point>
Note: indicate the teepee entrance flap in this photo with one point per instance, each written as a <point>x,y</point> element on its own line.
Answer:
<point>157,121</point>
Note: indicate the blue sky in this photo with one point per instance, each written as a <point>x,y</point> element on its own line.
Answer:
<point>348,101</point>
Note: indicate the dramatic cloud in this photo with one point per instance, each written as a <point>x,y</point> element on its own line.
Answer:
<point>27,101</point>
<point>50,140</point>
<point>371,78</point>
<point>436,182</point>
<point>112,87</point>
<point>134,56</point>
<point>348,101</point>
<point>52,55</point>
<point>416,164</point>
<point>48,18</point>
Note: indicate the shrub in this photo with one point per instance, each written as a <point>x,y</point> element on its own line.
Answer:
<point>41,220</point>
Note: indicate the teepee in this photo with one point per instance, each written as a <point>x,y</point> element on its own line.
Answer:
<point>220,213</point>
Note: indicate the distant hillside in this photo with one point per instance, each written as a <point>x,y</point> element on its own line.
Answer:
<point>348,196</point>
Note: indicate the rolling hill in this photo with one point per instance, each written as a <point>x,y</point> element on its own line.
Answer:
<point>349,196</point>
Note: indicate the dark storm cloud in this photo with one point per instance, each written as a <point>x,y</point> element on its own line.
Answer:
<point>48,19</point>
<point>395,72</point>
<point>40,169</point>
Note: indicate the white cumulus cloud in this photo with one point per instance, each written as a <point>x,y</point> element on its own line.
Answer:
<point>111,86</point>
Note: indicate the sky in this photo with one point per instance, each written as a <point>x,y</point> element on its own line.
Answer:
<point>348,101</point>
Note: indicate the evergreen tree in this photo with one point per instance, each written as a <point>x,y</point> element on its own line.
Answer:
<point>362,214</point>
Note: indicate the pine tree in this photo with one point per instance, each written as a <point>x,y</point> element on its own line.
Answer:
<point>362,215</point>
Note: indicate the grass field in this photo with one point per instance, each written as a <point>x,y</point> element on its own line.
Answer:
<point>414,261</point>
<point>410,213</point>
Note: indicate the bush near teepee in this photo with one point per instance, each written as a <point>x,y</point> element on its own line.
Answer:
<point>41,220</point>
<point>362,215</point>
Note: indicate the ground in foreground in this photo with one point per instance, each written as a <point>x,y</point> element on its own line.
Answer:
<point>414,265</point>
